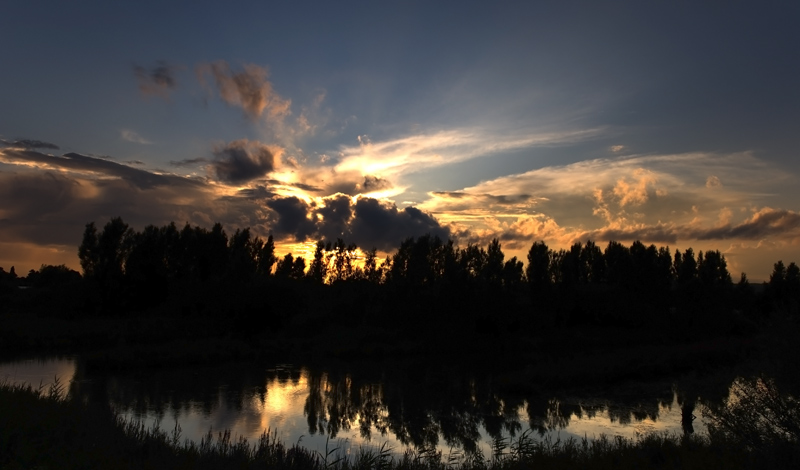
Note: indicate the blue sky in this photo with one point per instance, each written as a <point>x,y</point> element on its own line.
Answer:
<point>668,122</point>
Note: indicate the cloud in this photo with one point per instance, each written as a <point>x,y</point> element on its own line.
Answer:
<point>40,194</point>
<point>188,162</point>
<point>293,218</point>
<point>375,183</point>
<point>713,182</point>
<point>449,202</point>
<point>248,89</point>
<point>414,153</point>
<point>93,167</point>
<point>382,225</point>
<point>635,192</point>
<point>50,207</point>
<point>649,234</point>
<point>242,160</point>
<point>352,183</point>
<point>653,198</point>
<point>305,187</point>
<point>255,192</point>
<point>30,144</point>
<point>363,220</point>
<point>156,81</point>
<point>132,136</point>
<point>334,215</point>
<point>45,200</point>
<point>765,223</point>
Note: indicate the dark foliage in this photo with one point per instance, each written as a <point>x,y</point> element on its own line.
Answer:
<point>429,292</point>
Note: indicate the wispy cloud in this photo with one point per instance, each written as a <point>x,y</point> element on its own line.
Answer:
<point>94,167</point>
<point>248,88</point>
<point>133,136</point>
<point>414,153</point>
<point>158,80</point>
<point>29,144</point>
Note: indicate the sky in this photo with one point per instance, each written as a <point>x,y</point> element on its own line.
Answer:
<point>672,123</point>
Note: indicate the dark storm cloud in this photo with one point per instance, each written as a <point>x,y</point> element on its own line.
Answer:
<point>30,144</point>
<point>368,222</point>
<point>381,225</point>
<point>293,218</point>
<point>158,81</point>
<point>241,161</point>
<point>77,162</point>
<point>336,213</point>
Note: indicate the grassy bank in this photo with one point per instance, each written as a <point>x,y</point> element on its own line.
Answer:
<point>45,429</point>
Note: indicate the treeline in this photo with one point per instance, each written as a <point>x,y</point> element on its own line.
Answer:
<point>428,283</point>
<point>118,254</point>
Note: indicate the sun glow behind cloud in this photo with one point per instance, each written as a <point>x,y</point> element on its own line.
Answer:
<point>414,153</point>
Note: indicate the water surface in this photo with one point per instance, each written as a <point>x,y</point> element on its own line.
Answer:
<point>320,408</point>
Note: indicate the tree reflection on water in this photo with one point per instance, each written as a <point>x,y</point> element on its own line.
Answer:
<point>422,410</point>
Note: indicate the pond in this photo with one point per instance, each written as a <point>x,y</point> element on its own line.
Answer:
<point>421,410</point>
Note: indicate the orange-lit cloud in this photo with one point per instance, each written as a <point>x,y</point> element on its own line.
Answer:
<point>658,199</point>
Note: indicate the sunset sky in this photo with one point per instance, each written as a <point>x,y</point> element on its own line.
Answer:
<point>673,123</point>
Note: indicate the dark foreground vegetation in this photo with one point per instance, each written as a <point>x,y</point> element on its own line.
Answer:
<point>167,295</point>
<point>569,318</point>
<point>47,429</point>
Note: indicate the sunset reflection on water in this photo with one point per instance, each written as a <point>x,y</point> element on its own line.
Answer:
<point>316,410</point>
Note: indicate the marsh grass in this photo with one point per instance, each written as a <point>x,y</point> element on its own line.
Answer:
<point>45,427</point>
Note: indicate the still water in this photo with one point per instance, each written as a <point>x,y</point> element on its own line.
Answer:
<point>418,410</point>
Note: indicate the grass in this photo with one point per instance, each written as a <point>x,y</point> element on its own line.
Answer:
<point>45,428</point>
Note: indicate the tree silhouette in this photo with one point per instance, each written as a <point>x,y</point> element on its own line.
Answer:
<point>343,258</point>
<point>538,270</point>
<point>372,272</point>
<point>266,257</point>
<point>685,267</point>
<point>318,271</point>
<point>285,266</point>
<point>493,271</point>
<point>619,265</point>
<point>712,269</point>
<point>103,255</point>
